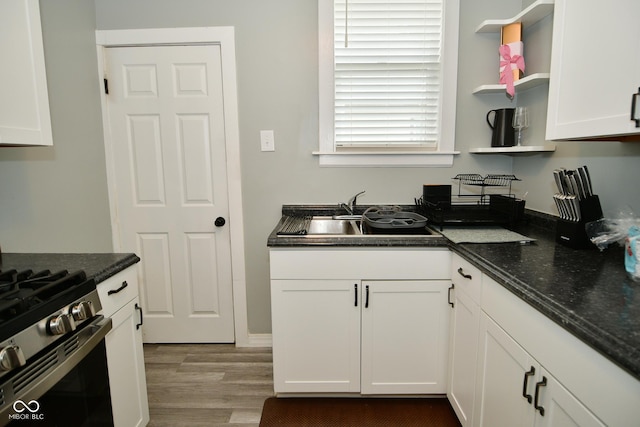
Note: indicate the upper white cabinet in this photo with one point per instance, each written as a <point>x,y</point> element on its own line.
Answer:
<point>595,69</point>
<point>24,101</point>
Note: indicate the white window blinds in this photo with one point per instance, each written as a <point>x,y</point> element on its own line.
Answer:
<point>387,73</point>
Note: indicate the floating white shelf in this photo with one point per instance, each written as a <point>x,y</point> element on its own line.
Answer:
<point>523,84</point>
<point>529,16</point>
<point>523,149</point>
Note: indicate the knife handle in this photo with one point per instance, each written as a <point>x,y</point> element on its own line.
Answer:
<point>586,172</point>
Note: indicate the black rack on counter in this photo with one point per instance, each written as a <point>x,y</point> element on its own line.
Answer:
<point>501,208</point>
<point>491,180</point>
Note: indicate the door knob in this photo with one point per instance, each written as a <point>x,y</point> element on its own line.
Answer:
<point>219,222</point>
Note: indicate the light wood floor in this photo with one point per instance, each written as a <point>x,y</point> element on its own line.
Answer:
<point>207,384</point>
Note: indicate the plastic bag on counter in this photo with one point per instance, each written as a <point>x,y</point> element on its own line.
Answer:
<point>624,230</point>
<point>632,253</point>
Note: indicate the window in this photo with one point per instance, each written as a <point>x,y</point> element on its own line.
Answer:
<point>388,72</point>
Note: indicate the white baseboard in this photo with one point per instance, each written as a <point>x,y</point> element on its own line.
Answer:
<point>256,340</point>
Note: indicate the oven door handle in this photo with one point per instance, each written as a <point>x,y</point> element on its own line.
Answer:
<point>92,335</point>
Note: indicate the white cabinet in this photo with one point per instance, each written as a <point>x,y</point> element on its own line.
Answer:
<point>350,336</point>
<point>126,368</point>
<point>532,372</point>
<point>335,334</point>
<point>463,347</point>
<point>595,69</point>
<point>505,379</point>
<point>405,327</point>
<point>125,359</point>
<point>561,408</point>
<point>316,335</point>
<point>515,390</point>
<point>24,101</point>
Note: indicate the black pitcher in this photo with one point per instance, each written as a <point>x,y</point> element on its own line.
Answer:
<point>502,126</point>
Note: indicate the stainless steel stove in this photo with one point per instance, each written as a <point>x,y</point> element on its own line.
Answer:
<point>49,323</point>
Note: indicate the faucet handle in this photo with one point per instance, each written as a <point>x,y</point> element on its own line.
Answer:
<point>353,200</point>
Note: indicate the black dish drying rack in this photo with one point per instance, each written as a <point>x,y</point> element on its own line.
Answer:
<point>495,204</point>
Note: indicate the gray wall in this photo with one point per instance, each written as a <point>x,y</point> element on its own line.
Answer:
<point>276,47</point>
<point>54,199</point>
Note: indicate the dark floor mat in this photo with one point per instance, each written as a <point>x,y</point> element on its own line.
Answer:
<point>358,412</point>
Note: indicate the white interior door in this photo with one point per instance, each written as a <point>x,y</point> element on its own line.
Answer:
<point>166,119</point>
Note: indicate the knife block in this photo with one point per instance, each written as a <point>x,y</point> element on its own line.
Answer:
<point>573,233</point>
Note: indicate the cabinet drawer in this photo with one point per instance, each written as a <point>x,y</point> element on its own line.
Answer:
<point>466,277</point>
<point>370,263</point>
<point>118,290</point>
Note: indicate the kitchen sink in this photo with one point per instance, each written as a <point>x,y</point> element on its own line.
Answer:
<point>326,225</point>
<point>345,226</point>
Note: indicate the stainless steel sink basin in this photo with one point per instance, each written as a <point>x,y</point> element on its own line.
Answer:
<point>348,226</point>
<point>326,225</point>
<point>332,226</point>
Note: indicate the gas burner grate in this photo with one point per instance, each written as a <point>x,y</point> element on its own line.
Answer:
<point>27,297</point>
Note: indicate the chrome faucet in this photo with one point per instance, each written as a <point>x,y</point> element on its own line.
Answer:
<point>349,207</point>
<point>353,200</point>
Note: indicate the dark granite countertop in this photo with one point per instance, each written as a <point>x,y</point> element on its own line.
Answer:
<point>587,292</point>
<point>99,266</point>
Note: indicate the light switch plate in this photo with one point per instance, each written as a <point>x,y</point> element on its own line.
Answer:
<point>267,140</point>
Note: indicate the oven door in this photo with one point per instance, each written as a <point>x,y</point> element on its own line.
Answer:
<point>67,385</point>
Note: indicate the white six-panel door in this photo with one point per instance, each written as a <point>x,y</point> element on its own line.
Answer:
<point>166,118</point>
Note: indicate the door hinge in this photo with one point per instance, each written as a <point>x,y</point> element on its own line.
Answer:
<point>106,86</point>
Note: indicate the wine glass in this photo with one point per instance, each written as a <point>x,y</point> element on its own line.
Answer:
<point>520,122</point>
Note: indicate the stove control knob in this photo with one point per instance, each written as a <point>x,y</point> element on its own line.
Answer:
<point>61,324</point>
<point>82,311</point>
<point>11,357</point>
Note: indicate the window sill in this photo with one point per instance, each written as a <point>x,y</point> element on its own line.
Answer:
<point>389,159</point>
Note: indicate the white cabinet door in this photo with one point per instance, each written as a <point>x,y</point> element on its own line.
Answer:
<point>405,326</point>
<point>601,386</point>
<point>505,388</point>
<point>463,355</point>
<point>595,68</point>
<point>316,335</point>
<point>515,390</point>
<point>125,361</point>
<point>24,100</point>
<point>557,407</point>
